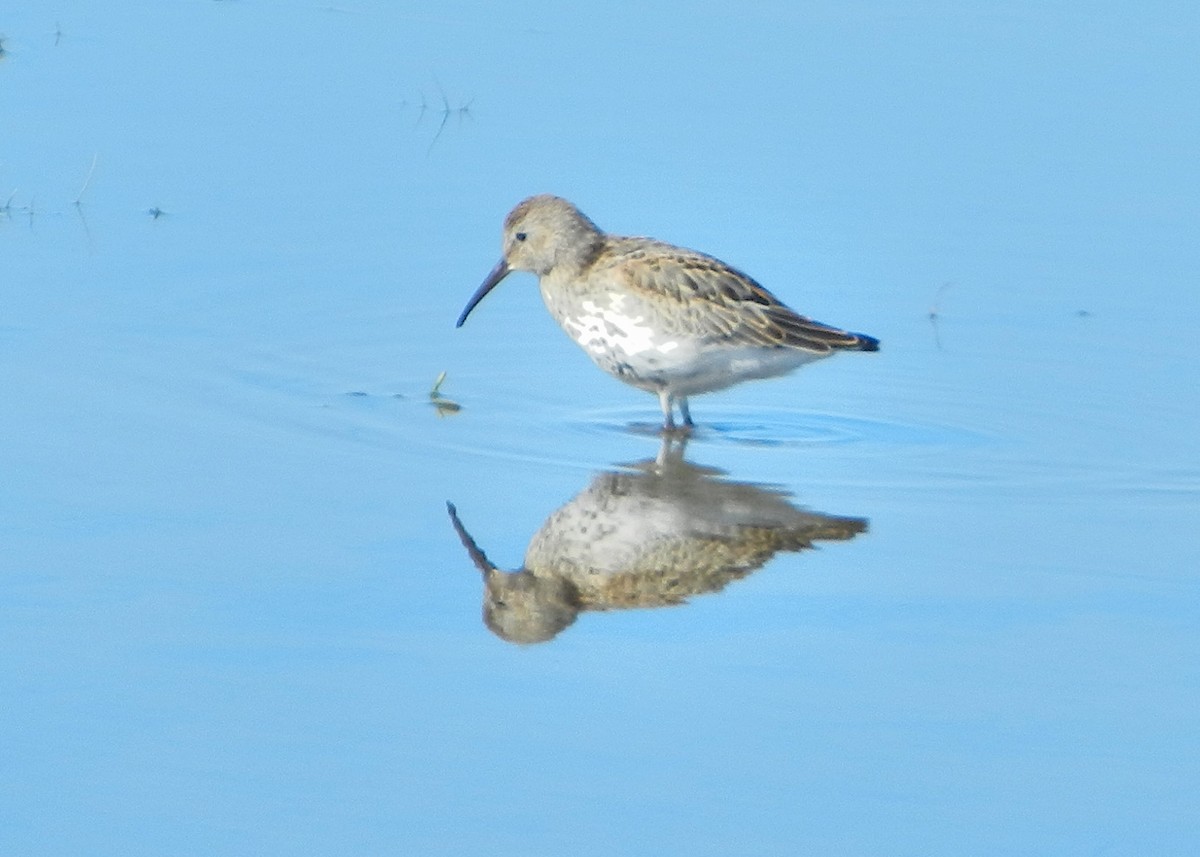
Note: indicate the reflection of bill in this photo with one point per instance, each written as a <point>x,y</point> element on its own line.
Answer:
<point>649,536</point>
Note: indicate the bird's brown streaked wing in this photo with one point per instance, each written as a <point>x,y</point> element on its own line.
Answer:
<point>720,303</point>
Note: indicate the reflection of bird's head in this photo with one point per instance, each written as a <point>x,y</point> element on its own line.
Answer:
<point>521,607</point>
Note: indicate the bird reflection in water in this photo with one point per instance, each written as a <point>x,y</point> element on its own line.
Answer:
<point>649,535</point>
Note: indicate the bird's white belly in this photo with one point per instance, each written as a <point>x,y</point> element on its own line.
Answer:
<point>628,344</point>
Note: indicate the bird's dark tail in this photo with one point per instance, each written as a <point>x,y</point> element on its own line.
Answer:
<point>865,343</point>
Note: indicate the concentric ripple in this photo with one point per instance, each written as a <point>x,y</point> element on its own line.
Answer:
<point>783,427</point>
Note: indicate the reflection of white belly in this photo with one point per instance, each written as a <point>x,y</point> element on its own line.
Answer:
<point>627,345</point>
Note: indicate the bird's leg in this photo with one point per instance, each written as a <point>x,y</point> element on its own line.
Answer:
<point>685,413</point>
<point>665,400</point>
<point>668,401</point>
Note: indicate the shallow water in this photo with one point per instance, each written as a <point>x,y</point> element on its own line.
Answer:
<point>237,614</point>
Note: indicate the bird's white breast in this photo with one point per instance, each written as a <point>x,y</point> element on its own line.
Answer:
<point>607,326</point>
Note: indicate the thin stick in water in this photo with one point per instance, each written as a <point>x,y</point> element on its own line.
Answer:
<point>87,181</point>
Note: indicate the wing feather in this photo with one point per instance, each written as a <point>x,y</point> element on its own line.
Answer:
<point>719,302</point>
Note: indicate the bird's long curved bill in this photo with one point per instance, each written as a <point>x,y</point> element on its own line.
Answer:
<point>498,273</point>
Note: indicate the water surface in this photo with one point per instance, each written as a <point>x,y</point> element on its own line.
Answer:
<point>237,615</point>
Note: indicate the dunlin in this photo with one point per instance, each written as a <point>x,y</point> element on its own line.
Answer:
<point>670,321</point>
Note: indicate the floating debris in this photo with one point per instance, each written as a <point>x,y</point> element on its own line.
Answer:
<point>443,405</point>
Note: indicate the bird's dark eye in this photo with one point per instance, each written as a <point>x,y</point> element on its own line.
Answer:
<point>520,236</point>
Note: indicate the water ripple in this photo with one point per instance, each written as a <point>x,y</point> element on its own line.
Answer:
<point>787,427</point>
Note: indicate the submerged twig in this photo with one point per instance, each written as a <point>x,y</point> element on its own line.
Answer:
<point>445,111</point>
<point>935,313</point>
<point>87,181</point>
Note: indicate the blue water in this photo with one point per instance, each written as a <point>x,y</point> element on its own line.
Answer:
<point>236,616</point>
